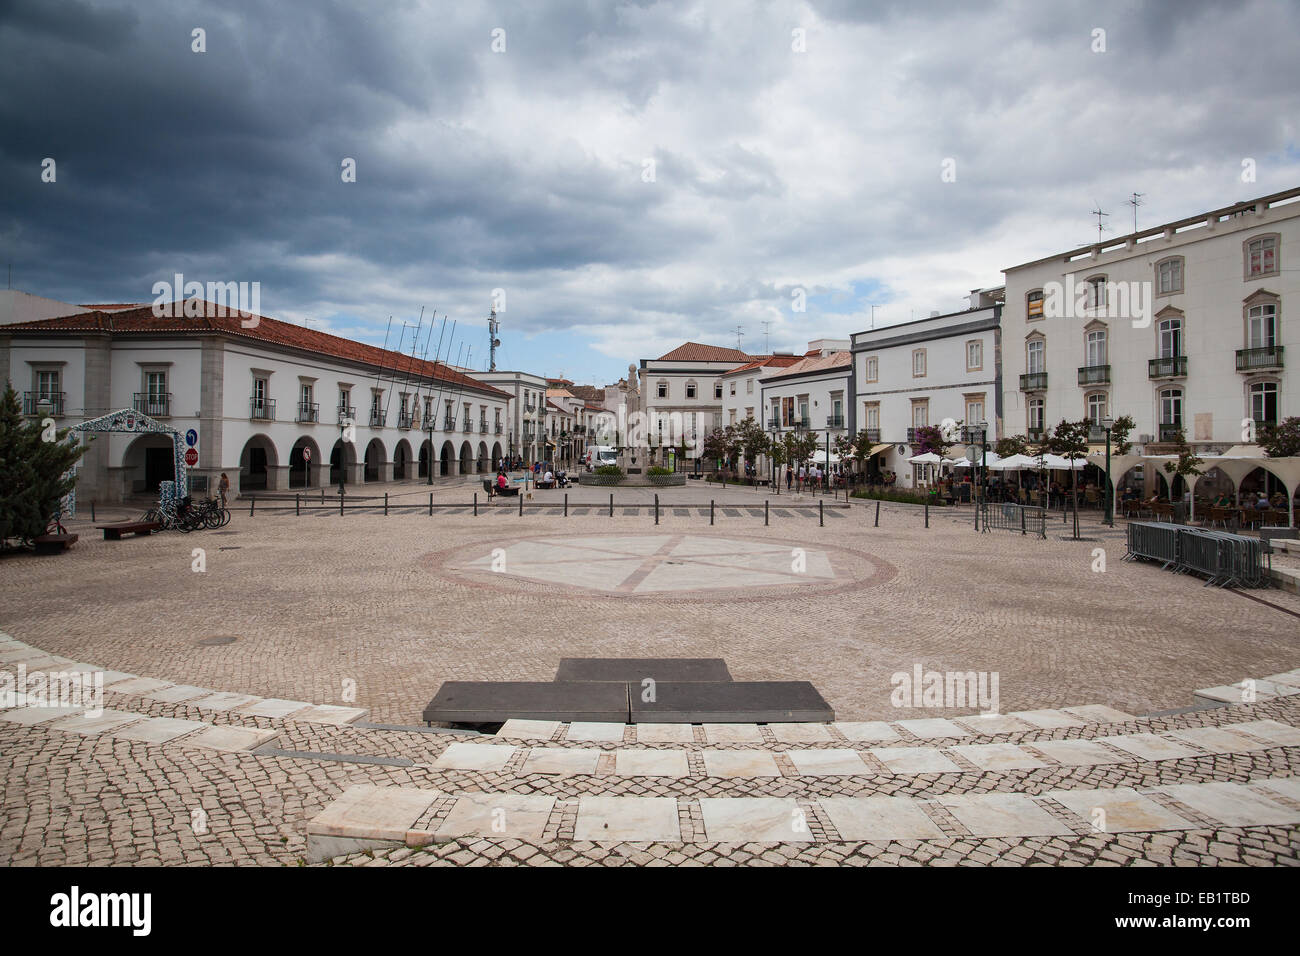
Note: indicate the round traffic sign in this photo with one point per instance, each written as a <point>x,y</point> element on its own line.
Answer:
<point>192,437</point>
<point>191,457</point>
<point>306,454</point>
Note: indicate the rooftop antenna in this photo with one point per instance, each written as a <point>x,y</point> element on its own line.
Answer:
<point>1099,214</point>
<point>1136,201</point>
<point>494,326</point>
<point>740,331</point>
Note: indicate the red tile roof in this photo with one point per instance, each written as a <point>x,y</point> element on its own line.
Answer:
<point>767,361</point>
<point>695,352</point>
<point>820,363</point>
<point>270,331</point>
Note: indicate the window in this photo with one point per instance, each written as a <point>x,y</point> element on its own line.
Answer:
<point>974,409</point>
<point>259,392</point>
<point>717,389</point>
<point>1096,288</point>
<point>1169,275</point>
<point>662,389</point>
<point>375,398</point>
<point>1036,411</point>
<point>920,413</point>
<point>1171,337</point>
<point>732,418</point>
<point>918,363</point>
<point>1034,360</point>
<point>47,385</point>
<point>1261,256</point>
<point>733,388</point>
<point>749,386</point>
<point>1034,304</point>
<point>803,411</point>
<point>749,412</point>
<point>304,392</point>
<point>872,415</point>
<point>787,411</point>
<point>1171,406</point>
<point>1261,326</point>
<point>690,389</point>
<point>1096,407</point>
<point>872,367</point>
<point>1096,347</point>
<point>428,411</point>
<point>1263,402</point>
<point>974,355</point>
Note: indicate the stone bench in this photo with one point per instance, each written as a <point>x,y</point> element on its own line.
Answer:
<point>114,532</point>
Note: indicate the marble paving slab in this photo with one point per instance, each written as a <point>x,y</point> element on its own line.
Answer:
<point>595,732</point>
<point>230,738</point>
<point>933,728</point>
<point>866,730</point>
<point>998,757</point>
<point>181,693</point>
<point>651,763</point>
<point>1048,719</point>
<point>1231,803</point>
<point>828,762</point>
<point>1079,753</point>
<point>560,761</point>
<point>909,760</point>
<point>754,820</point>
<point>497,816</point>
<point>732,733</point>
<point>665,733</point>
<point>879,818</point>
<point>1002,814</point>
<point>158,730</point>
<point>517,729</point>
<point>1124,810</point>
<point>274,708</point>
<point>635,819</point>
<point>1150,747</point>
<point>1217,740</point>
<point>373,813</point>
<point>740,763</point>
<point>467,756</point>
<point>1098,714</point>
<point>801,733</point>
<point>106,720</point>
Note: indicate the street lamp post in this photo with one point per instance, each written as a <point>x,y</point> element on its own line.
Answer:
<point>1108,423</point>
<point>428,423</point>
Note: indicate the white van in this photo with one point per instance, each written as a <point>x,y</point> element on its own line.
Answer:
<point>598,455</point>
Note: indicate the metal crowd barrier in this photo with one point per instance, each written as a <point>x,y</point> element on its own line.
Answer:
<point>1008,516</point>
<point>1226,560</point>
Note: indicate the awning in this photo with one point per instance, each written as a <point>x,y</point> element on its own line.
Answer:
<point>877,449</point>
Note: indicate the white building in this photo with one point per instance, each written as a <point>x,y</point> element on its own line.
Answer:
<point>270,402</point>
<point>1182,326</point>
<point>525,429</point>
<point>685,385</point>
<point>742,392</point>
<point>917,374</point>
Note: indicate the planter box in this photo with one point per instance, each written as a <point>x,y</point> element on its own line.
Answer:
<point>607,480</point>
<point>666,480</point>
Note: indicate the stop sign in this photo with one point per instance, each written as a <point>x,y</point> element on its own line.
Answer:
<point>191,457</point>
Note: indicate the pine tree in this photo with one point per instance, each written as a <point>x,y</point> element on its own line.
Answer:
<point>34,462</point>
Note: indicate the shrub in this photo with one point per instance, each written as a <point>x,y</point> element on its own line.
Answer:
<point>905,497</point>
<point>610,471</point>
<point>658,470</point>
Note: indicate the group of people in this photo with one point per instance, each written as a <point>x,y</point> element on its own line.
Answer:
<point>811,478</point>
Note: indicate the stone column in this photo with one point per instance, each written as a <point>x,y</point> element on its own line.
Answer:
<point>212,389</point>
<point>277,477</point>
<point>94,483</point>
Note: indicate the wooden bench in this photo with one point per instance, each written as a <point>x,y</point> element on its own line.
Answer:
<point>114,532</point>
<point>54,543</point>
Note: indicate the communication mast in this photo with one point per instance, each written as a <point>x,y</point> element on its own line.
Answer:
<point>493,328</point>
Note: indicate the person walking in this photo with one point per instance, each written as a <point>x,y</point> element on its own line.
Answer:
<point>223,488</point>
<point>789,477</point>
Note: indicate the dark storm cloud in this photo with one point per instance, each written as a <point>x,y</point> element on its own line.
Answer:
<point>527,170</point>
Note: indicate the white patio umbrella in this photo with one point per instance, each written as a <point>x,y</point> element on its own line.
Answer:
<point>929,458</point>
<point>991,460</point>
<point>1015,463</point>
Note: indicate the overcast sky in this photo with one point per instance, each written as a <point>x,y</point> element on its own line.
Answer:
<point>782,160</point>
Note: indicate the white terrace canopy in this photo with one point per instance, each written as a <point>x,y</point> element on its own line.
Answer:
<point>1236,463</point>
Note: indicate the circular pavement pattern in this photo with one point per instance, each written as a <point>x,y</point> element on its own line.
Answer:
<point>665,565</point>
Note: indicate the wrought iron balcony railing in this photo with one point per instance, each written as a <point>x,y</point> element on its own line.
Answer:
<point>1033,382</point>
<point>261,409</point>
<point>834,421</point>
<point>449,424</point>
<point>405,419</point>
<point>1172,366</point>
<point>348,412</point>
<point>308,411</point>
<point>378,417</point>
<point>1268,356</point>
<point>153,404</point>
<point>1094,375</point>
<point>35,403</point>
<point>773,423</point>
<point>873,435</point>
<point>1169,430</point>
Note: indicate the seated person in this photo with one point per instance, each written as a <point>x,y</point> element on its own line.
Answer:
<point>549,479</point>
<point>502,481</point>
<point>1153,499</point>
<point>1261,504</point>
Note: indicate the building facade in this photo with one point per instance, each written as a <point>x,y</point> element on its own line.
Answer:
<point>685,386</point>
<point>917,374</point>
<point>1183,327</point>
<point>271,402</point>
<point>525,429</point>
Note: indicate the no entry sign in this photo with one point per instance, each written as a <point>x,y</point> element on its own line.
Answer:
<point>306,454</point>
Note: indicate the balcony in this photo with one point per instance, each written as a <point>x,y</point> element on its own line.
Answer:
<point>834,421</point>
<point>773,423</point>
<point>348,413</point>
<point>469,426</point>
<point>1033,382</point>
<point>873,435</point>
<point>1250,360</point>
<point>482,426</point>
<point>449,424</point>
<point>1096,435</point>
<point>153,404</point>
<point>309,412</point>
<point>973,434</point>
<point>1094,375</point>
<point>405,419</point>
<point>1035,434</point>
<point>913,434</point>
<point>497,428</point>
<point>378,417</point>
<point>1172,366</point>
<point>261,409</point>
<point>1169,431</point>
<point>35,403</point>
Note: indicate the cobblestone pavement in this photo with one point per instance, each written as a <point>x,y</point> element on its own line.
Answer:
<point>317,603</point>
